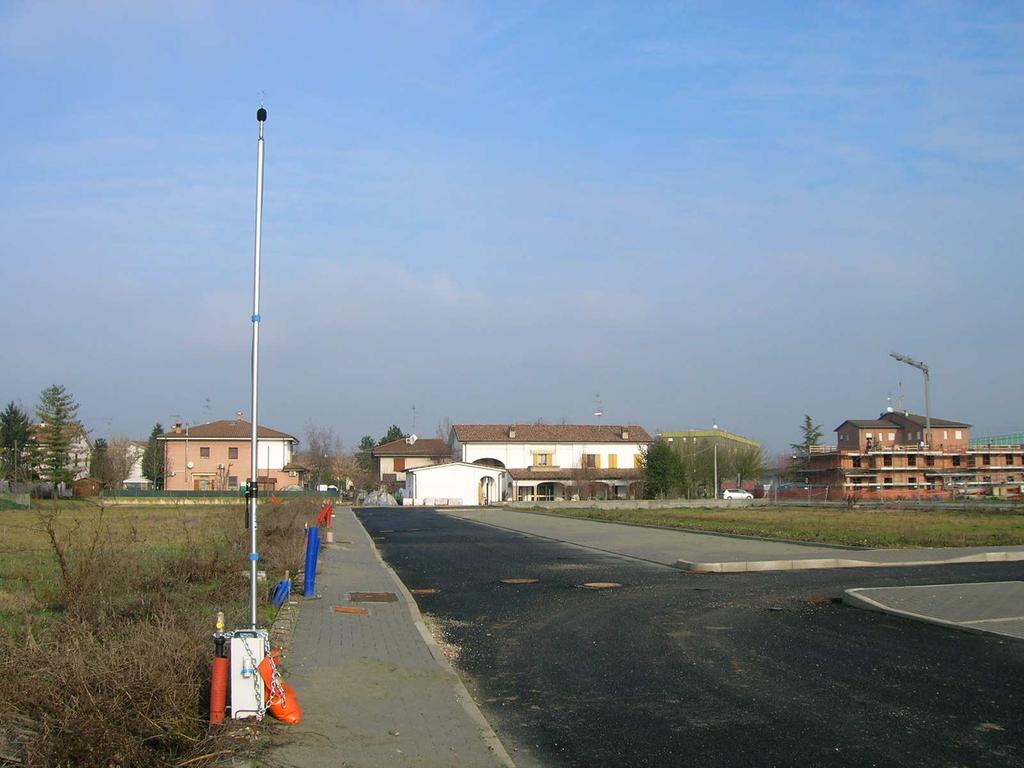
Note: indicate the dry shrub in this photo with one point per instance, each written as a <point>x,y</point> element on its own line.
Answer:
<point>132,698</point>
<point>119,673</point>
<point>282,530</point>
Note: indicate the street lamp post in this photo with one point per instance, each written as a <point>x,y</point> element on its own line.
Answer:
<point>715,438</point>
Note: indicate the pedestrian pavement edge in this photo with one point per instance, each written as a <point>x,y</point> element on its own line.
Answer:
<point>560,541</point>
<point>857,598</point>
<point>462,693</point>
<point>699,531</point>
<point>798,564</point>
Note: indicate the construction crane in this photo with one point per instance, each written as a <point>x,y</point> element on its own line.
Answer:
<point>927,394</point>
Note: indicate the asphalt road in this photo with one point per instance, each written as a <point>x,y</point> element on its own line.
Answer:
<point>710,670</point>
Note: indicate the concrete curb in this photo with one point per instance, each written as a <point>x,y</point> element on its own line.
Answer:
<point>857,599</point>
<point>698,531</point>
<point>462,694</point>
<point>745,566</point>
<point>562,541</point>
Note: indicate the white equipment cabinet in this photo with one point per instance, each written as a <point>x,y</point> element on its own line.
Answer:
<point>248,647</point>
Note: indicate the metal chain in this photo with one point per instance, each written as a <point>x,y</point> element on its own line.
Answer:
<point>276,689</point>
<point>256,679</point>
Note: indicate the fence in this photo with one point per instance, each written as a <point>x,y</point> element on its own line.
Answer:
<point>138,493</point>
<point>19,499</point>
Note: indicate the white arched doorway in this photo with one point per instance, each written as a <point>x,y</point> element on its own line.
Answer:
<point>486,490</point>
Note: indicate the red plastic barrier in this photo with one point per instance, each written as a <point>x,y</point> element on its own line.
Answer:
<point>219,690</point>
<point>284,705</point>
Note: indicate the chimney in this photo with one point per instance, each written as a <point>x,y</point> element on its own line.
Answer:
<point>177,427</point>
<point>625,433</point>
<point>512,432</point>
<point>238,416</point>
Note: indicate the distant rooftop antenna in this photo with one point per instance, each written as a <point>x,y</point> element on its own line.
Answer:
<point>598,408</point>
<point>414,418</point>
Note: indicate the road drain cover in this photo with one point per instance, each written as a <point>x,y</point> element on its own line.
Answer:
<point>373,597</point>
<point>602,585</point>
<point>429,591</point>
<point>519,581</point>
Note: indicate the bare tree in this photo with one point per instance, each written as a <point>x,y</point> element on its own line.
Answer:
<point>322,452</point>
<point>112,463</point>
<point>444,429</point>
<point>352,473</point>
<point>583,478</point>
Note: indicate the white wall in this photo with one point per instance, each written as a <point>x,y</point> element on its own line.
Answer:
<point>566,455</point>
<point>273,454</point>
<point>452,481</point>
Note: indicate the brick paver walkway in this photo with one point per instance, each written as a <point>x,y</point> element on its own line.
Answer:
<point>374,689</point>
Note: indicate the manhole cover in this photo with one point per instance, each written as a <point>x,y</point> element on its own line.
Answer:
<point>519,581</point>
<point>373,597</point>
<point>428,591</point>
<point>351,609</point>
<point>602,585</point>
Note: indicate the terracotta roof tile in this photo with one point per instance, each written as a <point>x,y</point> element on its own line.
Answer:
<point>236,429</point>
<point>422,447</point>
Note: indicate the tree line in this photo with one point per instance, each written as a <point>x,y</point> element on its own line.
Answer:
<point>687,469</point>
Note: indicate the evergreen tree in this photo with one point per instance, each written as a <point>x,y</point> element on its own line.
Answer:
<point>58,416</point>
<point>15,436</point>
<point>99,460</point>
<point>394,433</point>
<point>811,436</point>
<point>663,470</point>
<point>153,463</point>
<point>363,457</point>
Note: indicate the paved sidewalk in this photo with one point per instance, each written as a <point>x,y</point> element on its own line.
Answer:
<point>995,607</point>
<point>375,689</point>
<point>717,553</point>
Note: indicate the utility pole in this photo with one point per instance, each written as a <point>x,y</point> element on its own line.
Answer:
<point>927,393</point>
<point>715,438</point>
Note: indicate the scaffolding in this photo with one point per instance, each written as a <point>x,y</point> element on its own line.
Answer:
<point>1016,440</point>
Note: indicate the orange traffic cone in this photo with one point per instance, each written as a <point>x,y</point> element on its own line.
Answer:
<point>282,701</point>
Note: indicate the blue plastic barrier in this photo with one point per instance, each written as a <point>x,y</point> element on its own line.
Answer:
<point>312,554</point>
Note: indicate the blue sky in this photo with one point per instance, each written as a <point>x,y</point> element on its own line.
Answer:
<point>495,211</point>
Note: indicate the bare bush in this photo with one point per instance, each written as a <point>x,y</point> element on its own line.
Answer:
<point>118,675</point>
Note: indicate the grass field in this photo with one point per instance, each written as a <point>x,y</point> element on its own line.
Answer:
<point>879,528</point>
<point>106,617</point>
<point>29,569</point>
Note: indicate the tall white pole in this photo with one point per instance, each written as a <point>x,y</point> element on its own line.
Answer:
<point>261,118</point>
<point>716,469</point>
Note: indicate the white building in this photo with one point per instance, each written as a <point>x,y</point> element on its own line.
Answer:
<point>556,461</point>
<point>396,458</point>
<point>454,484</point>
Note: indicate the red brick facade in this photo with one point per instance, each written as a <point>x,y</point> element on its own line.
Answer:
<point>891,457</point>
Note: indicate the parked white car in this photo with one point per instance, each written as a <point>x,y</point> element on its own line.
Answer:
<point>736,493</point>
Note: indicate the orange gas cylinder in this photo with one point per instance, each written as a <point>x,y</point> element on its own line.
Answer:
<point>282,703</point>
